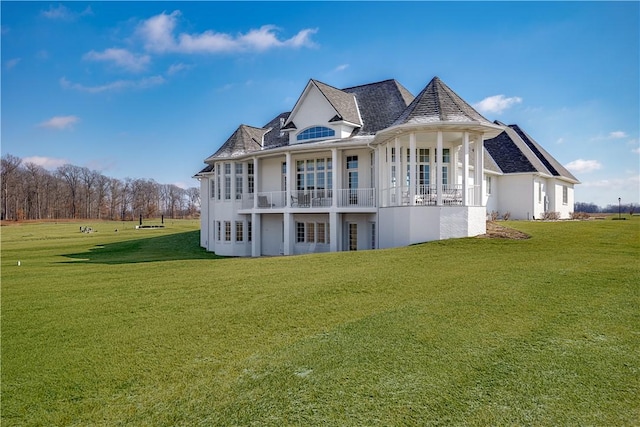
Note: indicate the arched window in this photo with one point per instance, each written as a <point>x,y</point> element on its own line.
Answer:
<point>315,132</point>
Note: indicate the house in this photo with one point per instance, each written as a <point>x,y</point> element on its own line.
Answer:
<point>372,166</point>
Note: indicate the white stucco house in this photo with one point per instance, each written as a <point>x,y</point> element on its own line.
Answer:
<point>372,166</point>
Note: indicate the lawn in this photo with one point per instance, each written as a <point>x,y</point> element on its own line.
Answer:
<point>142,327</point>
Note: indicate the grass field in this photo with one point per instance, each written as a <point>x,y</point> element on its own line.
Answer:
<point>142,327</point>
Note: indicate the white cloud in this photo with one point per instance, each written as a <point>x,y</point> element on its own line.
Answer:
<point>496,104</point>
<point>341,67</point>
<point>583,166</point>
<point>144,83</point>
<point>61,12</point>
<point>158,36</point>
<point>12,63</point>
<point>120,57</point>
<point>46,162</point>
<point>636,150</point>
<point>617,134</point>
<point>615,183</point>
<point>176,68</point>
<point>60,122</point>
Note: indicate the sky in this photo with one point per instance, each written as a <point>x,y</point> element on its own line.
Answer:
<point>150,89</point>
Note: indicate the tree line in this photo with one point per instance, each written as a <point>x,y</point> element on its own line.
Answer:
<point>629,208</point>
<point>31,192</point>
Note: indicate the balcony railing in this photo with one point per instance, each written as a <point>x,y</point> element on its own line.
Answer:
<point>425,195</point>
<point>350,198</point>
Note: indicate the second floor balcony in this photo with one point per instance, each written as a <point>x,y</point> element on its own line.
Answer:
<point>311,199</point>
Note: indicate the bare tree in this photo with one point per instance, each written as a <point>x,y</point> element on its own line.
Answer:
<point>8,166</point>
<point>71,175</point>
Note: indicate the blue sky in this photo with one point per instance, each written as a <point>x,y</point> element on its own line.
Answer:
<point>150,89</point>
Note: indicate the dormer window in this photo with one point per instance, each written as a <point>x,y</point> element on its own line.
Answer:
<point>315,132</point>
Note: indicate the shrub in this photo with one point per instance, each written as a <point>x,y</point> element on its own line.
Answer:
<point>580,215</point>
<point>494,215</point>
<point>551,216</point>
<point>506,216</point>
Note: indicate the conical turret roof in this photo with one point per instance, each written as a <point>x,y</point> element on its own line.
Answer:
<point>438,103</point>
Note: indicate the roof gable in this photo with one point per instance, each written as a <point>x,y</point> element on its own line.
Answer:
<point>438,103</point>
<point>343,104</point>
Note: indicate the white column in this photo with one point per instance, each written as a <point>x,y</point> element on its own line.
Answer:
<point>289,233</point>
<point>334,229</point>
<point>398,173</point>
<point>256,235</point>
<point>334,183</point>
<point>479,171</point>
<point>412,168</point>
<point>465,169</point>
<point>288,191</point>
<point>439,169</point>
<point>256,181</point>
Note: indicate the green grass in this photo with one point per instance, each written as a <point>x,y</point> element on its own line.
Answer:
<point>142,327</point>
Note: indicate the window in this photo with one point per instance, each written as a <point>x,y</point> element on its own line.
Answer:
<point>446,159</point>
<point>565,195</point>
<point>239,231</point>
<point>424,177</point>
<point>320,232</point>
<point>239,171</point>
<point>227,231</point>
<point>250,179</point>
<point>314,174</point>
<point>227,181</point>
<point>249,231</point>
<point>311,232</point>
<point>488,185</point>
<point>284,176</point>
<point>539,192</point>
<point>315,132</point>
<point>373,235</point>
<point>218,187</point>
<point>218,231</point>
<point>212,187</point>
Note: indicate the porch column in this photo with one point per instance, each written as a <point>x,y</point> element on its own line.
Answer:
<point>465,169</point>
<point>288,192</point>
<point>334,182</point>
<point>334,231</point>
<point>439,169</point>
<point>398,173</point>
<point>256,235</point>
<point>479,171</point>
<point>289,233</point>
<point>256,181</point>
<point>412,168</point>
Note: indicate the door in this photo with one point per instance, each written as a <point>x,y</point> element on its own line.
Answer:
<point>353,236</point>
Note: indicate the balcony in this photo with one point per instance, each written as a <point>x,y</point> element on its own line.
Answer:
<point>311,199</point>
<point>426,195</point>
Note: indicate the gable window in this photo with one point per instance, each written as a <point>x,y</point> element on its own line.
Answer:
<point>315,132</point>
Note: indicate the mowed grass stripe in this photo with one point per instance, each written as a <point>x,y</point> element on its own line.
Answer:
<point>471,331</point>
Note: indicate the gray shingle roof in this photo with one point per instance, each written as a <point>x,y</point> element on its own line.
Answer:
<point>514,151</point>
<point>438,103</point>
<point>244,140</point>
<point>344,103</point>
<point>273,138</point>
<point>380,104</point>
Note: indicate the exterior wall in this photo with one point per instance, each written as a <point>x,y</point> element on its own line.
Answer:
<point>556,204</point>
<point>517,196</point>
<point>204,212</point>
<point>402,226</point>
<point>492,201</point>
<point>271,234</point>
<point>269,174</point>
